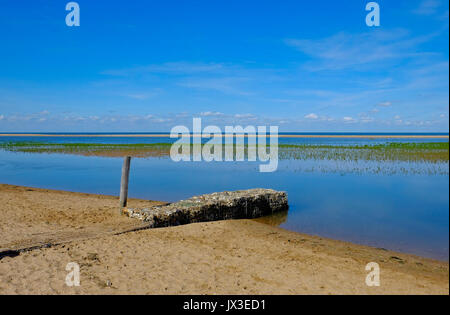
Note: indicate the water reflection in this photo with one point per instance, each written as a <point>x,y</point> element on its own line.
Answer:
<point>275,219</point>
<point>404,212</point>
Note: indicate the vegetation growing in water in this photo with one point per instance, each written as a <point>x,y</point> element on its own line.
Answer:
<point>394,151</point>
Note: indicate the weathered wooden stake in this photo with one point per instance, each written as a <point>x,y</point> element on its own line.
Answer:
<point>124,181</point>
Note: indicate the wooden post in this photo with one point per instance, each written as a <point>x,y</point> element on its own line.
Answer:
<point>124,181</point>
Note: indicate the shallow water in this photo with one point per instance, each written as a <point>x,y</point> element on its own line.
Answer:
<point>95,138</point>
<point>407,212</point>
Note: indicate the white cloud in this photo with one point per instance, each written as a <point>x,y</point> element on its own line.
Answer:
<point>385,104</point>
<point>211,114</point>
<point>29,117</point>
<point>311,116</point>
<point>240,116</point>
<point>397,117</point>
<point>349,119</point>
<point>162,120</point>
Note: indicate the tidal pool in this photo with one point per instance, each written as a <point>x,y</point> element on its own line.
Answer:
<point>403,211</point>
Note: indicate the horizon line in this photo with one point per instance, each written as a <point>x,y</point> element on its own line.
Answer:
<point>411,135</point>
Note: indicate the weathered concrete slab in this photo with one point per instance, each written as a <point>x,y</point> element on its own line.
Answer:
<point>242,204</point>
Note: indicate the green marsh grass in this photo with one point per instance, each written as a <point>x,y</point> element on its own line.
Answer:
<point>434,152</point>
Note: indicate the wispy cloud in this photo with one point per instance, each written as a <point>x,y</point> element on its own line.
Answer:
<point>311,116</point>
<point>141,96</point>
<point>244,116</point>
<point>350,51</point>
<point>211,114</point>
<point>364,118</point>
<point>427,7</point>
<point>385,104</point>
<point>168,67</point>
<point>150,122</point>
<point>349,119</point>
<point>228,78</point>
<point>226,85</point>
<point>27,117</point>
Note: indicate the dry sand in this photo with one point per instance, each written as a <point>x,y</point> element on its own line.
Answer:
<point>226,257</point>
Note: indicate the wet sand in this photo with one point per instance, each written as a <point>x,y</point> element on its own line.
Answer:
<point>225,257</point>
<point>31,217</point>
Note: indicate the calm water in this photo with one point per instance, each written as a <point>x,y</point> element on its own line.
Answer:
<point>120,140</point>
<point>399,211</point>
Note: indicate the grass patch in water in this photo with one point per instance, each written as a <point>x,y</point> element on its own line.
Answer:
<point>394,151</point>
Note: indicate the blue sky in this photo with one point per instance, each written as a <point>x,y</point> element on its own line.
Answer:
<point>150,65</point>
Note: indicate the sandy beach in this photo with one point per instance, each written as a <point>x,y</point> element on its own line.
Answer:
<point>224,257</point>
